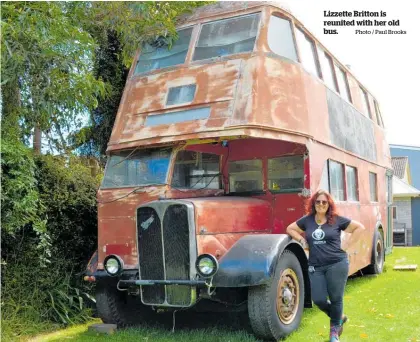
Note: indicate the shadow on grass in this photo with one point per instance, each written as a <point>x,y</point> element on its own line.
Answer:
<point>188,327</point>
<point>196,326</point>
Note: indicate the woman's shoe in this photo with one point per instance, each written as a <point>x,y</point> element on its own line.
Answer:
<point>343,320</point>
<point>334,337</point>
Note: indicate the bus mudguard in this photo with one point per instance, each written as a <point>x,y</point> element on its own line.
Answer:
<point>252,260</point>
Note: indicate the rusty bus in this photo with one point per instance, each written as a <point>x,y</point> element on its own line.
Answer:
<point>217,144</point>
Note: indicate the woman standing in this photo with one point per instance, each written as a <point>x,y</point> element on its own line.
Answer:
<point>328,262</point>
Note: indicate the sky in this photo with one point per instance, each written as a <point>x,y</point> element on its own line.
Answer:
<point>387,65</point>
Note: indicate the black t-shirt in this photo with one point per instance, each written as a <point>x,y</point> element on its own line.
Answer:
<point>324,240</point>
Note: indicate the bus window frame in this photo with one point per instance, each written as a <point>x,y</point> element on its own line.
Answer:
<point>357,184</point>
<point>171,67</point>
<point>365,98</point>
<point>379,120</point>
<point>222,185</point>
<point>288,191</point>
<point>264,175</point>
<point>308,37</point>
<point>343,171</point>
<point>132,150</point>
<point>376,187</point>
<point>226,57</point>
<point>346,81</point>
<point>332,63</point>
<point>292,28</point>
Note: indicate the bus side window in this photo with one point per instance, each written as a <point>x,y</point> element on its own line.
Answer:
<point>245,176</point>
<point>280,38</point>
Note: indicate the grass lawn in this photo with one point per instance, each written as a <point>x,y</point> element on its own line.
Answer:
<point>383,308</point>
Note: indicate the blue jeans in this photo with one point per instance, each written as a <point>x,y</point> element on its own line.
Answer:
<point>329,281</point>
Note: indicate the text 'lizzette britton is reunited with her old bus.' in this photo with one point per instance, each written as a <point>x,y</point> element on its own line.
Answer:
<point>349,14</point>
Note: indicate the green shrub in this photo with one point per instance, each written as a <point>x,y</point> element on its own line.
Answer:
<point>42,270</point>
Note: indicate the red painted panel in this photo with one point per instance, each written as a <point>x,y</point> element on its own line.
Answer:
<point>119,249</point>
<point>231,214</point>
<point>287,208</point>
<point>117,222</point>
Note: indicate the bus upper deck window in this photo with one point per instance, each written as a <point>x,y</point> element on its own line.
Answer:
<point>280,38</point>
<point>157,55</point>
<point>365,102</point>
<point>227,37</point>
<point>307,52</point>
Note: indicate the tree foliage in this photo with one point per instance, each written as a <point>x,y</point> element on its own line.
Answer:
<point>122,28</point>
<point>50,53</point>
<point>47,60</point>
<point>61,62</point>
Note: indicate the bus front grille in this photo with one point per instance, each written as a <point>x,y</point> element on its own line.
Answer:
<point>150,254</point>
<point>177,255</point>
<point>164,253</point>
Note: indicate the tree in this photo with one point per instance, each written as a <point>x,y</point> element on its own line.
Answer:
<point>47,68</point>
<point>120,29</point>
<point>60,61</point>
<point>49,55</point>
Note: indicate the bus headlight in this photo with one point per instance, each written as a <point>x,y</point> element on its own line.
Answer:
<point>206,265</point>
<point>113,265</point>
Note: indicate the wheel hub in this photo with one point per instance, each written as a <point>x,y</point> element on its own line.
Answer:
<point>287,296</point>
<point>379,254</point>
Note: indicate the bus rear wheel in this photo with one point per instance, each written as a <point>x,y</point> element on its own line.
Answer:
<point>275,310</point>
<point>378,255</point>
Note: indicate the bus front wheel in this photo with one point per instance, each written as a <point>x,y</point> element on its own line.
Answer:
<point>119,308</point>
<point>275,309</point>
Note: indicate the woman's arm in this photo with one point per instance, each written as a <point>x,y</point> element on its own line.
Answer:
<point>295,232</point>
<point>356,229</point>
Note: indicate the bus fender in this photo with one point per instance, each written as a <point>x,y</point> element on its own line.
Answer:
<point>252,260</point>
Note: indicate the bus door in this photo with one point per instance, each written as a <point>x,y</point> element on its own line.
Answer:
<point>285,182</point>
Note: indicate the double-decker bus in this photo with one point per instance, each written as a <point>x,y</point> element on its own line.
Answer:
<point>217,144</point>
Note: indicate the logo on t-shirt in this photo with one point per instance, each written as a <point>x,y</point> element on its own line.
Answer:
<point>318,235</point>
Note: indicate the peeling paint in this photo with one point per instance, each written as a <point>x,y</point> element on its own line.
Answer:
<point>264,106</point>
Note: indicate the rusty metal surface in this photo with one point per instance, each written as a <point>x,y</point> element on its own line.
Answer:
<point>250,95</point>
<point>231,214</point>
<point>251,90</point>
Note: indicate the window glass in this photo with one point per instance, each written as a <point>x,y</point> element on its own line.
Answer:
<point>373,187</point>
<point>135,168</point>
<point>245,175</point>
<point>378,114</point>
<point>227,37</point>
<point>343,83</point>
<point>280,38</point>
<point>196,170</point>
<point>158,55</point>
<point>394,213</point>
<point>181,94</point>
<point>351,180</point>
<point>382,120</point>
<point>285,173</point>
<point>307,52</point>
<point>336,180</point>
<point>324,185</point>
<point>327,70</point>
<point>365,102</point>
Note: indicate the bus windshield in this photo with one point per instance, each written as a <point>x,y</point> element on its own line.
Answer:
<point>158,55</point>
<point>136,168</point>
<point>197,170</point>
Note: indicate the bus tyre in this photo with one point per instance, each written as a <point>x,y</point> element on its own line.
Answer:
<point>378,255</point>
<point>275,309</point>
<point>117,307</point>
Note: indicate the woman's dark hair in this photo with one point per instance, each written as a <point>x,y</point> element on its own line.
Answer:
<point>332,208</point>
